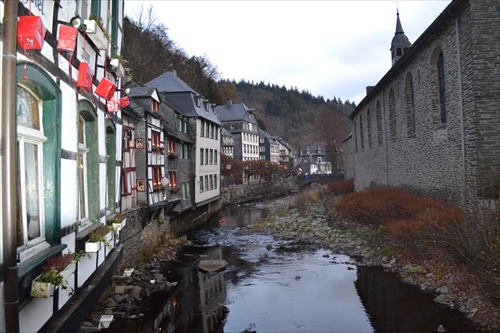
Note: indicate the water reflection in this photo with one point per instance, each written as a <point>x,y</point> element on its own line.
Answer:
<point>280,286</point>
<point>398,307</point>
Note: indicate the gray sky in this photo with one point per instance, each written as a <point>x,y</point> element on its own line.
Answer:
<point>330,48</point>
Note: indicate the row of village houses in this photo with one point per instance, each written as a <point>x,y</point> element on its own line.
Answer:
<point>173,139</point>
<point>77,150</point>
<point>80,152</point>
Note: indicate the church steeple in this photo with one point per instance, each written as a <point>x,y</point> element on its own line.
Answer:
<point>400,42</point>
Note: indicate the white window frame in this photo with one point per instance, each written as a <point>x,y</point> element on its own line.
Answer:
<point>82,151</point>
<point>26,135</point>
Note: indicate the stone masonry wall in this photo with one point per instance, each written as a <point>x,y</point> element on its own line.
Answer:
<point>433,159</point>
<point>139,236</point>
<point>256,192</point>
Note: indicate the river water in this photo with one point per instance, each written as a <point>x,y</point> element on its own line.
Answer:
<point>284,285</point>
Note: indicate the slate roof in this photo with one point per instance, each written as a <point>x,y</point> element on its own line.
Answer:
<point>236,112</point>
<point>139,91</point>
<point>313,148</point>
<point>399,39</point>
<point>182,97</point>
<point>171,123</point>
<point>134,110</point>
<point>170,82</point>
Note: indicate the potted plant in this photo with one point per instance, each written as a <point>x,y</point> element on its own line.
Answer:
<point>174,189</point>
<point>118,222</point>
<point>96,32</point>
<point>51,277</point>
<point>159,188</point>
<point>172,155</point>
<point>158,150</point>
<point>97,238</point>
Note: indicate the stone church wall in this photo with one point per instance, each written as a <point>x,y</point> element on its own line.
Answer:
<point>449,160</point>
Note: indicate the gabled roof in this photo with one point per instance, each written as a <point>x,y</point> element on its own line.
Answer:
<point>185,103</point>
<point>170,82</point>
<point>414,49</point>
<point>182,97</point>
<point>313,147</point>
<point>142,92</point>
<point>169,113</point>
<point>236,112</point>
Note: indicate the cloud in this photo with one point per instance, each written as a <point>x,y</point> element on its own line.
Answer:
<point>330,48</point>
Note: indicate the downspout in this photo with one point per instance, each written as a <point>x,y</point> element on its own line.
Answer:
<point>8,152</point>
<point>460,97</point>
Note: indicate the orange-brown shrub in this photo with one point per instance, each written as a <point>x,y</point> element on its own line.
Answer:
<point>341,187</point>
<point>379,206</point>
<point>373,206</point>
<point>422,226</point>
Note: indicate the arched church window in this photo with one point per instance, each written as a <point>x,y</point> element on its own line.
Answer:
<point>410,105</point>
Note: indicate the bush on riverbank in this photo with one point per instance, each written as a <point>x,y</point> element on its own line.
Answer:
<point>425,228</point>
<point>341,187</point>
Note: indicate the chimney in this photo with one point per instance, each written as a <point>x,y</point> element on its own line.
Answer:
<point>369,89</point>
<point>228,103</point>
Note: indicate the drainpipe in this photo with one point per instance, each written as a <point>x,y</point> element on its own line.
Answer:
<point>8,152</point>
<point>460,97</point>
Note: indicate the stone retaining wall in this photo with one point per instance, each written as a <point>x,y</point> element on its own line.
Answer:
<point>143,234</point>
<point>257,192</point>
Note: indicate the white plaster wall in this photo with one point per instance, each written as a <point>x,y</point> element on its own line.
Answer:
<point>87,265</point>
<point>35,314</point>
<point>69,276</point>
<point>68,192</point>
<point>202,170</point>
<point>68,118</point>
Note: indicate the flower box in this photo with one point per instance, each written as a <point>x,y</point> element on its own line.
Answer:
<point>96,34</point>
<point>55,274</point>
<point>42,289</point>
<point>110,243</point>
<point>119,225</point>
<point>120,70</point>
<point>92,247</point>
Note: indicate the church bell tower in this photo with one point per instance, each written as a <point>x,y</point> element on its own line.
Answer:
<point>400,43</point>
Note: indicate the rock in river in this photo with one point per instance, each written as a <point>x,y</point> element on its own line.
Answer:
<point>212,265</point>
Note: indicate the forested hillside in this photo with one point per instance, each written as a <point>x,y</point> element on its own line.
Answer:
<point>296,116</point>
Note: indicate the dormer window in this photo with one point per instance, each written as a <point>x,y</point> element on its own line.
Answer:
<point>197,100</point>
<point>155,105</point>
<point>206,105</point>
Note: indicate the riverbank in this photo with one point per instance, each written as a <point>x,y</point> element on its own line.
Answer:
<point>454,285</point>
<point>313,222</point>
